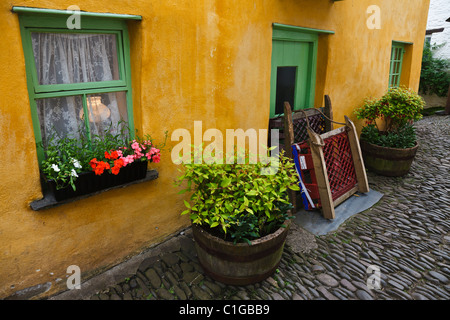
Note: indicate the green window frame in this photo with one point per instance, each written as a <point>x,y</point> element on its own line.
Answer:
<point>396,61</point>
<point>54,21</point>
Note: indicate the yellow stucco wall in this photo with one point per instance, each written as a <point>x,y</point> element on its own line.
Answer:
<point>190,60</point>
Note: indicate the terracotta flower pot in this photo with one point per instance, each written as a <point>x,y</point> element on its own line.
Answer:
<point>391,162</point>
<point>241,263</point>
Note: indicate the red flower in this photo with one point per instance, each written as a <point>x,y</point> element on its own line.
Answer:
<point>156,158</point>
<point>115,170</point>
<point>99,166</point>
<point>114,154</point>
<point>93,163</point>
<point>117,165</point>
<point>99,170</point>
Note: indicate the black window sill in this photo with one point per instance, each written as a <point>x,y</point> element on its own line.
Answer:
<point>49,201</point>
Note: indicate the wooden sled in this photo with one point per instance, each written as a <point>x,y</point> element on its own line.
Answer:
<point>329,164</point>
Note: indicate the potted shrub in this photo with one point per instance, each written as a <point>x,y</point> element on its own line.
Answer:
<point>240,217</point>
<point>388,139</point>
<point>74,167</point>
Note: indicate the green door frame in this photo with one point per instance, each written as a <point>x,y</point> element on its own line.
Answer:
<point>301,35</point>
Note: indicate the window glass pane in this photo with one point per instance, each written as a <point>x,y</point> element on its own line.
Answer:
<point>285,88</point>
<point>60,117</point>
<point>397,67</point>
<point>396,57</point>
<point>107,113</point>
<point>63,58</point>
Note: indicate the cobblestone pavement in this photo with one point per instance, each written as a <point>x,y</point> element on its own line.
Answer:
<point>406,234</point>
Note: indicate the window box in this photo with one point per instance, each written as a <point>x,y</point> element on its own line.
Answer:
<point>49,199</point>
<point>89,182</point>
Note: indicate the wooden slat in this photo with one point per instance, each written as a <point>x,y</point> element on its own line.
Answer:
<point>360,170</point>
<point>344,197</point>
<point>288,129</point>
<point>316,144</point>
<point>288,142</point>
<point>328,111</point>
<point>332,133</point>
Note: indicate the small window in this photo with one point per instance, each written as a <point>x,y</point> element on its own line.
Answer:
<point>79,80</point>
<point>395,70</point>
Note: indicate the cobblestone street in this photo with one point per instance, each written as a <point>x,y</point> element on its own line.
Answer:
<point>406,234</point>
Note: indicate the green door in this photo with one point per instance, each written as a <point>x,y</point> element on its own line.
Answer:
<point>293,71</point>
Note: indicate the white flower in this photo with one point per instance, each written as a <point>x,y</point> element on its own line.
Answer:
<point>76,163</point>
<point>73,173</point>
<point>55,167</point>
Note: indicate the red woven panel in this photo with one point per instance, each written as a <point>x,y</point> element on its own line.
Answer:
<point>339,164</point>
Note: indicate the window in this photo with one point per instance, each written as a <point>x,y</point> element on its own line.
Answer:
<point>79,80</point>
<point>395,70</point>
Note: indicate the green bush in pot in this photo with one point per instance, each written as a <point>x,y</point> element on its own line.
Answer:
<point>397,109</point>
<point>390,149</point>
<point>235,201</point>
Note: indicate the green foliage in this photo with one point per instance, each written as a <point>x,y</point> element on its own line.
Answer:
<point>434,77</point>
<point>236,200</point>
<point>63,163</point>
<point>404,138</point>
<point>112,138</point>
<point>246,227</point>
<point>397,109</point>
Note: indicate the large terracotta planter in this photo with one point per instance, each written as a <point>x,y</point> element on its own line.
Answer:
<point>241,263</point>
<point>391,162</point>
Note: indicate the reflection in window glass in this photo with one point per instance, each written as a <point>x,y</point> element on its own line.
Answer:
<point>107,112</point>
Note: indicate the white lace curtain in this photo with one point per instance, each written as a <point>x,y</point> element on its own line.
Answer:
<point>67,58</point>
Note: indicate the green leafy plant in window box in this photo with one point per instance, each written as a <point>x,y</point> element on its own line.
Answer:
<point>240,217</point>
<point>388,139</point>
